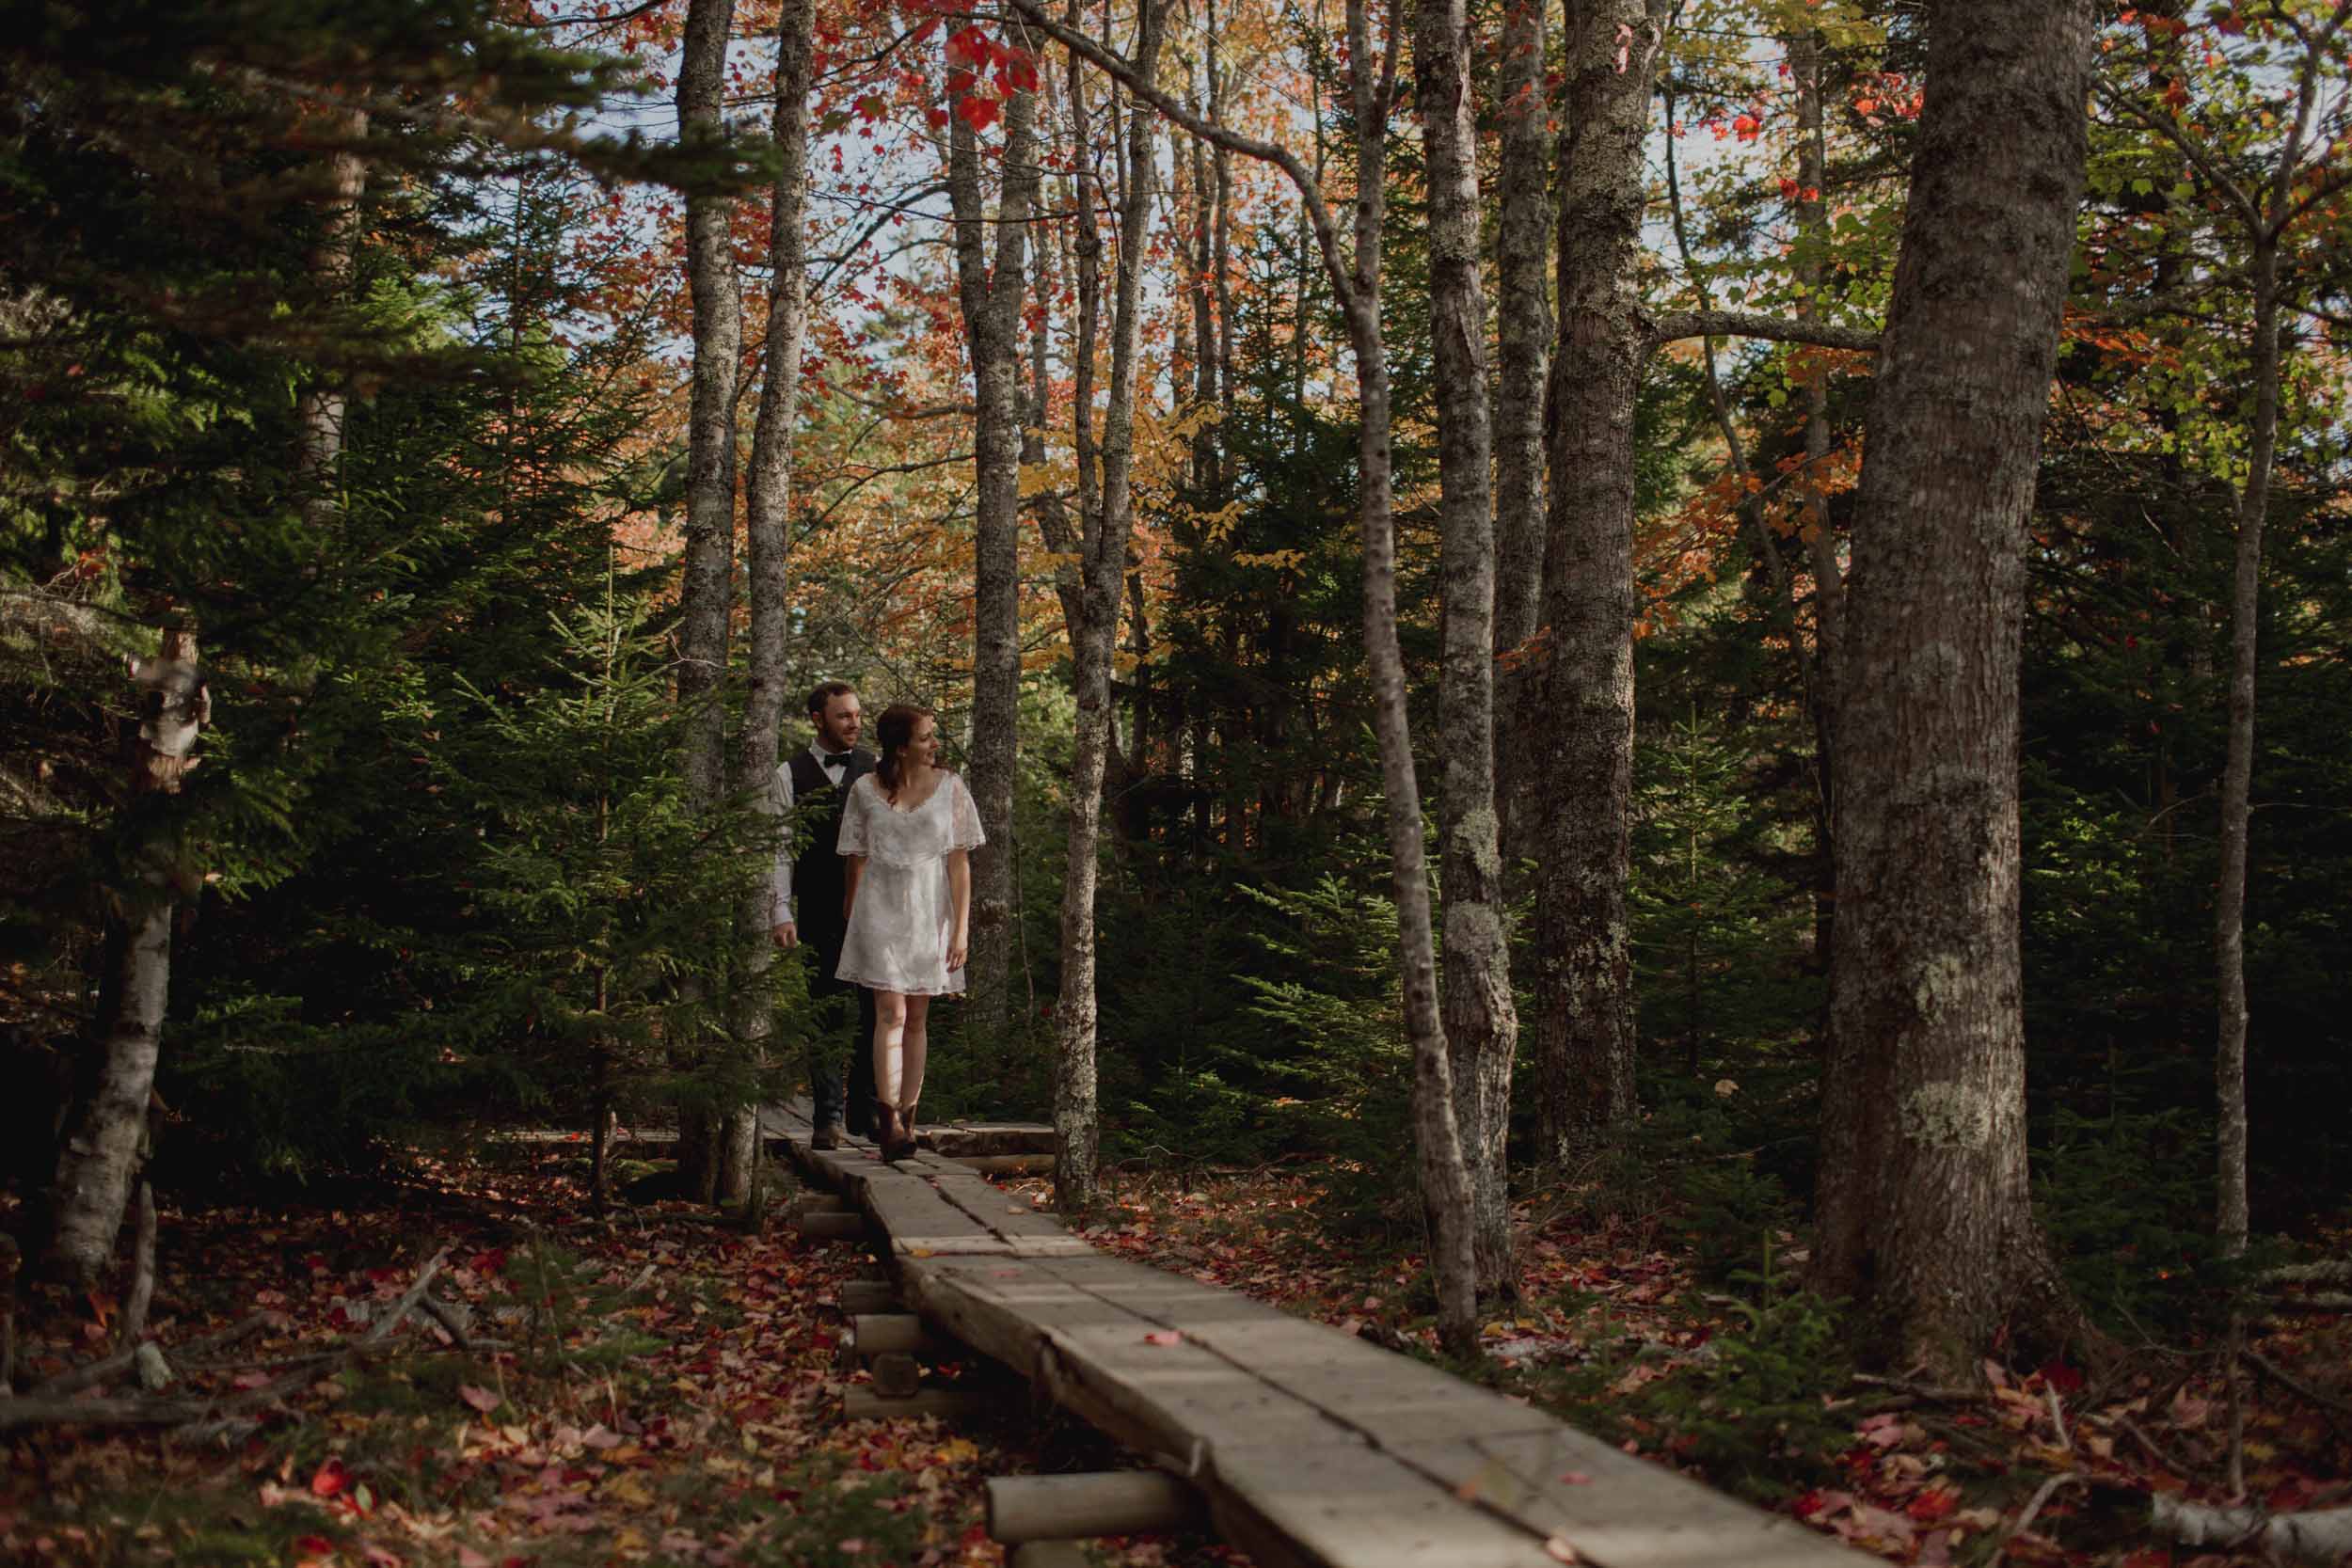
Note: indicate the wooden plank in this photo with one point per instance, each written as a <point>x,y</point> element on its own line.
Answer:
<point>920,1222</point>
<point>1358,1385</point>
<point>1348,1506</point>
<point>1622,1512</point>
<point>1030,1233</point>
<point>1179,1399</point>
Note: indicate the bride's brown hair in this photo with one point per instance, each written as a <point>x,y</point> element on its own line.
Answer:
<point>891,734</point>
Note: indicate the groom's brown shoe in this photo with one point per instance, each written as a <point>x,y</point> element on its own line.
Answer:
<point>826,1137</point>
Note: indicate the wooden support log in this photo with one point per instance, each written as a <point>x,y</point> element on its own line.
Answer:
<point>958,1142</point>
<point>1006,1165</point>
<point>897,1375</point>
<point>862,1297</point>
<point>820,1203</point>
<point>1105,1502</point>
<point>903,1333</point>
<point>1050,1554</point>
<point>862,1403</point>
<point>825,1225</point>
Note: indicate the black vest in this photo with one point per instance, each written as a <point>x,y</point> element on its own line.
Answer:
<point>817,875</point>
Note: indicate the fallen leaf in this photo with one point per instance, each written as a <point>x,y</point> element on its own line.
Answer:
<point>1576,1478</point>
<point>1559,1550</point>
<point>1164,1337</point>
<point>481,1399</point>
<point>329,1479</point>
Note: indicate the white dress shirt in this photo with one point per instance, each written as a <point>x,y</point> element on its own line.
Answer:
<point>837,765</point>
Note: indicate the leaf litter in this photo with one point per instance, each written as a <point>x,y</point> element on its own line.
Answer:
<point>659,1389</point>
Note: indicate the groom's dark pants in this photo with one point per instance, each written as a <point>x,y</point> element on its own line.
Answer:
<point>840,1006</point>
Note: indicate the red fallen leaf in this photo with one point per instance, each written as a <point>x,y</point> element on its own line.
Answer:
<point>481,1399</point>
<point>1576,1477</point>
<point>248,1380</point>
<point>329,1479</point>
<point>469,1558</point>
<point>2060,1376</point>
<point>1164,1337</point>
<point>314,1546</point>
<point>1933,1504</point>
<point>1558,1549</point>
<point>378,1557</point>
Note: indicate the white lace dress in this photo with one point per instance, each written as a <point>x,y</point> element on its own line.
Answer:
<point>905,915</point>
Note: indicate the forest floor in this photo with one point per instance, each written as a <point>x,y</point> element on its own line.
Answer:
<point>655,1386</point>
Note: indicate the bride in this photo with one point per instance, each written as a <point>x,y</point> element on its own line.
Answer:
<point>907,829</point>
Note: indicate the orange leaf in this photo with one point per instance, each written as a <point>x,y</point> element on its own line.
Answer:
<point>329,1479</point>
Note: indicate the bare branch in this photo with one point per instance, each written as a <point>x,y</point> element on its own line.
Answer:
<point>1677,325</point>
<point>1123,71</point>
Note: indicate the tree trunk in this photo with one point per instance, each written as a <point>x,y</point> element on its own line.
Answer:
<point>1481,1027</point>
<point>1445,1181</point>
<point>1925,1215</point>
<point>105,1139</point>
<point>767,544</point>
<point>2237,776</point>
<point>1077,1127</point>
<point>1523,313</point>
<point>705,596</point>
<point>990,301</point>
<point>1584,768</point>
<point>1819,535</point>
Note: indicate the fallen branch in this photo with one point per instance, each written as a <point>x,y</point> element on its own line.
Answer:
<point>99,1370</point>
<point>452,1319</point>
<point>2043,1493</point>
<point>2326,1400</point>
<point>1925,1391</point>
<point>206,1415</point>
<point>2320,1536</point>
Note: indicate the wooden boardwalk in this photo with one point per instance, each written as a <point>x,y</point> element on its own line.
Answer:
<point>1310,1447</point>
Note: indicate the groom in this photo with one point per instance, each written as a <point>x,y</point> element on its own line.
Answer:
<point>808,890</point>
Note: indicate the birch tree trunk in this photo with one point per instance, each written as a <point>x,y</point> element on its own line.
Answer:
<point>2237,776</point>
<point>990,301</point>
<point>767,544</point>
<point>1077,1127</point>
<point>1523,315</point>
<point>1924,1209</point>
<point>2281,206</point>
<point>705,596</point>
<point>1584,763</point>
<point>1819,533</point>
<point>107,1129</point>
<point>1481,1027</point>
<point>1356,280</point>
<point>1445,1180</point>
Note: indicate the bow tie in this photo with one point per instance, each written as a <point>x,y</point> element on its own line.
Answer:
<point>834,759</point>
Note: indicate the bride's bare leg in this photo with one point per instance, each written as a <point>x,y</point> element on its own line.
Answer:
<point>917,1050</point>
<point>890,1039</point>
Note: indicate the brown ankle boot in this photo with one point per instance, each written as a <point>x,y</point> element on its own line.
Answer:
<point>897,1137</point>
<point>885,1126</point>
